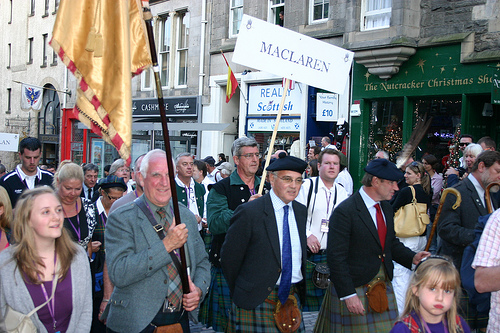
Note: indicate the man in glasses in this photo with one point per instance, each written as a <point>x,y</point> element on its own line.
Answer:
<point>320,195</point>
<point>465,140</point>
<point>264,255</point>
<point>224,197</point>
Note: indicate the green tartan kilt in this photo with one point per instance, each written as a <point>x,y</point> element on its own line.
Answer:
<point>207,239</point>
<point>468,311</point>
<point>214,311</point>
<point>335,317</point>
<point>314,295</point>
<point>258,320</point>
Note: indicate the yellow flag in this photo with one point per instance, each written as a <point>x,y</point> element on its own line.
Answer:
<point>103,43</point>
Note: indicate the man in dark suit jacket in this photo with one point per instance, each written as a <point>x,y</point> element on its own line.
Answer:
<point>456,226</point>
<point>361,247</point>
<point>254,258</point>
<point>89,188</point>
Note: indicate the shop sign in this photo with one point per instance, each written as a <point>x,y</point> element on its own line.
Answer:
<point>327,107</point>
<point>174,107</point>
<point>286,53</point>
<point>9,142</point>
<point>267,125</point>
<point>76,146</point>
<point>266,99</point>
<point>495,88</point>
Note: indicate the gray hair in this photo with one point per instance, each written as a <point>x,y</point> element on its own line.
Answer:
<point>116,165</point>
<point>90,167</point>
<point>473,149</point>
<point>137,164</point>
<point>178,157</point>
<point>145,161</point>
<point>239,143</point>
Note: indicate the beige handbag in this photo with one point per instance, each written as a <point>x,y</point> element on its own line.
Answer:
<point>17,322</point>
<point>412,219</point>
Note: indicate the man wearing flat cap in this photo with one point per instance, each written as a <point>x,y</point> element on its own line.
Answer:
<point>360,254</point>
<point>263,257</point>
<point>212,172</point>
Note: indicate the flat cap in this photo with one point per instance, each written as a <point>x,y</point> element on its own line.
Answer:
<point>112,181</point>
<point>210,160</point>
<point>285,162</point>
<point>384,169</point>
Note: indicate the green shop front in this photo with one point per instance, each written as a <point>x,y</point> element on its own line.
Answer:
<point>434,82</point>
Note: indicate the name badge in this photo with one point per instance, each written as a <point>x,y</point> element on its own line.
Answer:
<point>324,225</point>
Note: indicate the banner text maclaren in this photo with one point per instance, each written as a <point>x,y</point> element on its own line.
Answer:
<point>286,54</point>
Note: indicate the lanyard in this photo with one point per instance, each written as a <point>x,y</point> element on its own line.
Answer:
<point>77,231</point>
<point>427,329</point>
<point>50,305</point>
<point>135,191</point>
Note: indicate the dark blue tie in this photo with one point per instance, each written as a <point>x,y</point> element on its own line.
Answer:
<point>286,261</point>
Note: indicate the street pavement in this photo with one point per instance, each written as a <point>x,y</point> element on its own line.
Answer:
<point>308,317</point>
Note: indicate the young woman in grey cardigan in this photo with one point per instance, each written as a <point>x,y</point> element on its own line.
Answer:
<point>42,247</point>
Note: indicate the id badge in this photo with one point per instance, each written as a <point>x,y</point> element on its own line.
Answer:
<point>324,225</point>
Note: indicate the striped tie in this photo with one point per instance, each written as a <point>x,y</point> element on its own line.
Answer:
<point>286,261</point>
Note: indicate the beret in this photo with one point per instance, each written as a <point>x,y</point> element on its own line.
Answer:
<point>210,160</point>
<point>112,181</point>
<point>285,162</point>
<point>384,169</point>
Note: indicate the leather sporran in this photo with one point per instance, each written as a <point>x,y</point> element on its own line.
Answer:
<point>321,276</point>
<point>17,322</point>
<point>174,328</point>
<point>412,219</point>
<point>377,296</point>
<point>287,316</point>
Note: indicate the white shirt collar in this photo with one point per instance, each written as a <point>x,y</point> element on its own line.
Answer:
<point>100,207</point>
<point>23,176</point>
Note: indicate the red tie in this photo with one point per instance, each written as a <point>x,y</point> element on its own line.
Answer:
<point>381,227</point>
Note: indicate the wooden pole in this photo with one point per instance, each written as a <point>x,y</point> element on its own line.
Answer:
<point>148,18</point>
<point>273,137</point>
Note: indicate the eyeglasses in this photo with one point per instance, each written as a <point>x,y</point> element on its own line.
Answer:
<point>464,144</point>
<point>289,180</point>
<point>433,256</point>
<point>250,155</point>
<point>110,198</point>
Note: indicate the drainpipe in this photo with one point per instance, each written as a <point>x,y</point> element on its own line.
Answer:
<point>202,47</point>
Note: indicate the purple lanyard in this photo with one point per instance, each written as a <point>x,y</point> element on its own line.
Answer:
<point>188,193</point>
<point>104,219</point>
<point>427,329</point>
<point>252,191</point>
<point>328,196</point>
<point>77,231</point>
<point>51,304</point>
<point>135,191</point>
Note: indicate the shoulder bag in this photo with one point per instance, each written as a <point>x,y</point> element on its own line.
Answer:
<point>412,219</point>
<point>17,322</point>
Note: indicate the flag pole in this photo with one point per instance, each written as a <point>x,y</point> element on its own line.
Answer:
<point>239,87</point>
<point>275,131</point>
<point>148,18</point>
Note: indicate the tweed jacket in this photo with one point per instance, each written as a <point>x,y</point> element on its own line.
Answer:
<point>456,227</point>
<point>251,255</point>
<point>137,265</point>
<point>354,251</point>
<point>13,291</point>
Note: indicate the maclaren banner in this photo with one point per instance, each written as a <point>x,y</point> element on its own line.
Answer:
<point>283,52</point>
<point>103,43</point>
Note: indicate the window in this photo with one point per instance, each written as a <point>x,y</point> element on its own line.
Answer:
<point>9,55</point>
<point>44,50</point>
<point>10,12</point>
<point>318,10</point>
<point>235,15</point>
<point>46,11</point>
<point>32,8</point>
<point>147,80</point>
<point>277,12</point>
<point>30,50</point>
<point>9,98</point>
<point>376,14</point>
<point>165,41</point>
<point>54,58</point>
<point>182,48</point>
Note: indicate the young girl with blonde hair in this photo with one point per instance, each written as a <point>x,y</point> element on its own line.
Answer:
<point>432,298</point>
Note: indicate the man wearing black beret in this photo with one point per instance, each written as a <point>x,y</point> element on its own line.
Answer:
<point>360,251</point>
<point>263,257</point>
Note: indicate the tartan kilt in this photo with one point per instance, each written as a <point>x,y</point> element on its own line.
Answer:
<point>207,239</point>
<point>314,295</point>
<point>258,320</point>
<point>335,317</point>
<point>468,311</point>
<point>214,310</point>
